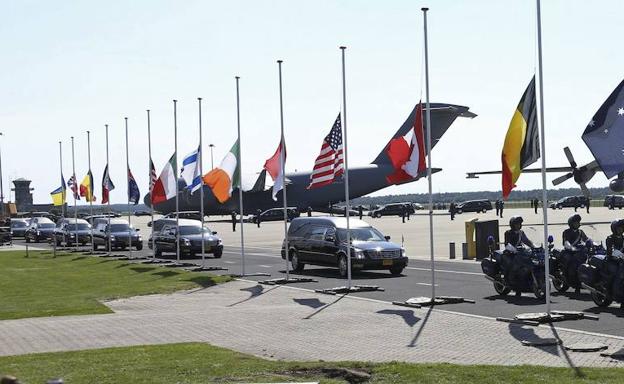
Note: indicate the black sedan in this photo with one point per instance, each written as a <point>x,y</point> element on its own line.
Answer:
<point>18,227</point>
<point>119,235</point>
<point>73,233</point>
<point>190,240</point>
<point>40,231</point>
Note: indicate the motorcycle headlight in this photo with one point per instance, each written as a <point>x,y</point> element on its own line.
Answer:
<point>359,254</point>
<point>140,238</point>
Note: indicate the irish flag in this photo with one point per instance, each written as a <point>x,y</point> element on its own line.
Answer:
<point>165,186</point>
<point>223,179</point>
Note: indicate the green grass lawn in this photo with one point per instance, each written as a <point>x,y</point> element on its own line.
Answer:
<point>72,284</point>
<point>202,363</point>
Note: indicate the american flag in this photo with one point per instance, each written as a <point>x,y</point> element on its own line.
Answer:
<point>329,164</point>
<point>73,185</point>
<point>152,176</point>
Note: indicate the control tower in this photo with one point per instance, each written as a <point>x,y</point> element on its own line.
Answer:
<point>23,194</point>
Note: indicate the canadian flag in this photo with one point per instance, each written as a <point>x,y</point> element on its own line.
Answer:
<point>407,153</point>
<point>274,168</point>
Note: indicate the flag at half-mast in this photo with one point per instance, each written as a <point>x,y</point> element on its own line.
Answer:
<point>133,189</point>
<point>274,168</point>
<point>73,185</point>
<point>521,147</point>
<point>329,164</point>
<point>190,171</point>
<point>86,187</point>
<point>165,186</point>
<point>223,179</point>
<point>407,152</point>
<point>58,195</point>
<point>152,176</point>
<point>107,185</point>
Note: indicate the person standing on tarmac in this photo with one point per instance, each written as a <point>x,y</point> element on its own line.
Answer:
<point>403,213</point>
<point>309,211</point>
<point>500,207</point>
<point>497,206</point>
<point>452,210</point>
<point>536,205</point>
<point>233,214</point>
<point>587,205</point>
<point>258,217</point>
<point>574,235</point>
<point>360,211</point>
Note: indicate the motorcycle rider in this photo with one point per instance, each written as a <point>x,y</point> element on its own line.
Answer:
<point>615,241</point>
<point>574,235</point>
<point>515,238</point>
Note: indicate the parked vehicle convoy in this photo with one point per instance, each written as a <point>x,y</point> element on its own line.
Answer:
<point>19,227</point>
<point>190,239</point>
<point>520,271</point>
<point>91,219</point>
<point>476,206</point>
<point>394,209</point>
<point>72,231</point>
<point>323,241</point>
<point>276,214</point>
<point>117,234</point>
<point>570,202</point>
<point>193,215</point>
<point>40,228</point>
<point>614,201</point>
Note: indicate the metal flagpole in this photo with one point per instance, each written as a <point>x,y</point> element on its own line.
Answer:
<point>90,189</point>
<point>429,179</point>
<point>149,150</point>
<point>346,167</point>
<point>240,173</point>
<point>201,189</point>
<point>108,231</point>
<point>128,183</point>
<point>76,187</point>
<point>283,169</point>
<point>543,148</point>
<point>175,174</point>
<point>63,213</point>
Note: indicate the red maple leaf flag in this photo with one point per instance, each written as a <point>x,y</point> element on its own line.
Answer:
<point>407,153</point>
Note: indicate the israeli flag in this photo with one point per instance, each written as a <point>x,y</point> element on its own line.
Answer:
<point>190,171</point>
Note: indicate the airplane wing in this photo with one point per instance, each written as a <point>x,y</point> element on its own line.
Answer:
<point>475,175</point>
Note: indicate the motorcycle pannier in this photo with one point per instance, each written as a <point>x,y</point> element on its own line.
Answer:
<point>588,274</point>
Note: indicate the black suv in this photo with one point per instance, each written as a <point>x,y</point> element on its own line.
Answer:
<point>394,209</point>
<point>570,202</point>
<point>190,239</point>
<point>119,235</point>
<point>322,241</point>
<point>614,201</point>
<point>474,206</point>
<point>276,214</point>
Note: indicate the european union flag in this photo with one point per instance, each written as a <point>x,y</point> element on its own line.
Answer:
<point>604,134</point>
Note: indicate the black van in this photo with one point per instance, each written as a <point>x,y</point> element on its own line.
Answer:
<point>394,209</point>
<point>614,201</point>
<point>322,241</point>
<point>474,206</point>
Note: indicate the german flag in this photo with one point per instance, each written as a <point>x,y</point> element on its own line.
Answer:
<point>521,147</point>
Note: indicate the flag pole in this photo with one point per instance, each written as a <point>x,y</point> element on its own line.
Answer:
<point>283,169</point>
<point>63,212</point>
<point>128,190</point>
<point>90,188</point>
<point>175,174</point>
<point>543,148</point>
<point>108,231</point>
<point>201,189</point>
<point>346,164</point>
<point>74,193</point>
<point>240,175</point>
<point>149,151</point>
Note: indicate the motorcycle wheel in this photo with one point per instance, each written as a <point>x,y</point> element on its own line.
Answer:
<point>539,291</point>
<point>500,288</point>
<point>559,282</point>
<point>600,300</point>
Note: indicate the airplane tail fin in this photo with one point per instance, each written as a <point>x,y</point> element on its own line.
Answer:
<point>442,116</point>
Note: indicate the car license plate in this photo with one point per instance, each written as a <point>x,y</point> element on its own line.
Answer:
<point>387,262</point>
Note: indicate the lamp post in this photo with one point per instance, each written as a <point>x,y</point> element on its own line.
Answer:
<point>211,158</point>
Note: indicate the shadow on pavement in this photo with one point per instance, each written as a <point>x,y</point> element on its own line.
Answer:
<point>522,332</point>
<point>312,303</point>
<point>324,307</point>
<point>407,315</point>
<point>421,328</point>
<point>255,291</point>
<point>332,273</point>
<point>618,312</point>
<point>573,296</point>
<point>518,300</point>
<point>577,370</point>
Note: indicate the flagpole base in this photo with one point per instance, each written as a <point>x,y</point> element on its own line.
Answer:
<point>236,276</point>
<point>179,265</point>
<point>204,269</point>
<point>423,301</point>
<point>291,280</point>
<point>352,289</point>
<point>538,318</point>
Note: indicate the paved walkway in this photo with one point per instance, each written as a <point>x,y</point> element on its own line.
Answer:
<point>295,324</point>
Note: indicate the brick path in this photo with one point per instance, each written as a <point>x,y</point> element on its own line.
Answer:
<point>294,324</point>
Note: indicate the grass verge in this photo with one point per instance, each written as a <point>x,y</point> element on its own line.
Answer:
<point>73,284</point>
<point>202,363</point>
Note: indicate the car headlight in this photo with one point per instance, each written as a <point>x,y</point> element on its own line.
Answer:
<point>403,253</point>
<point>219,242</point>
<point>38,233</point>
<point>186,242</point>
<point>73,235</point>
<point>112,238</point>
<point>359,254</point>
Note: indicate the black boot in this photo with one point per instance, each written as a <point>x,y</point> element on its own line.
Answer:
<point>577,291</point>
<point>518,293</point>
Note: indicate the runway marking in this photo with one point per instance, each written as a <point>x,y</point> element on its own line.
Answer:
<point>447,271</point>
<point>427,284</point>
<point>264,266</point>
<point>229,262</point>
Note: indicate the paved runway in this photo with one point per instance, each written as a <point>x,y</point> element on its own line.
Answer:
<point>454,278</point>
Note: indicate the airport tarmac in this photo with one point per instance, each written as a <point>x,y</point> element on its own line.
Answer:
<point>453,278</point>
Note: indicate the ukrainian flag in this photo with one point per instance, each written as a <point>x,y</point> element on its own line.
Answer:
<point>58,195</point>
<point>521,146</point>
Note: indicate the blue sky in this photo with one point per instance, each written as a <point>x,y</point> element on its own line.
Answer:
<point>73,66</point>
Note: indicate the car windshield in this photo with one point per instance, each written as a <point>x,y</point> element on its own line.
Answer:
<point>361,234</point>
<point>120,227</point>
<point>79,227</point>
<point>18,224</point>
<point>46,225</point>
<point>192,230</point>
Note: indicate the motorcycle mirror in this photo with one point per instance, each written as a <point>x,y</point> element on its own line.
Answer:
<point>550,238</point>
<point>490,240</point>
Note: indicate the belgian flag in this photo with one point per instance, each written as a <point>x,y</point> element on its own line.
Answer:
<point>521,147</point>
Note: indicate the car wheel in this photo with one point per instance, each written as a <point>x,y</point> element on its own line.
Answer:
<point>377,215</point>
<point>95,246</point>
<point>296,265</point>
<point>157,252</point>
<point>343,267</point>
<point>139,247</point>
<point>539,291</point>
<point>218,253</point>
<point>58,243</point>
<point>36,239</point>
<point>484,210</point>
<point>396,270</point>
<point>458,211</point>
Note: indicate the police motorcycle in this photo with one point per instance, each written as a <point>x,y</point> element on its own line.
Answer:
<point>565,263</point>
<point>520,269</point>
<point>603,273</point>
